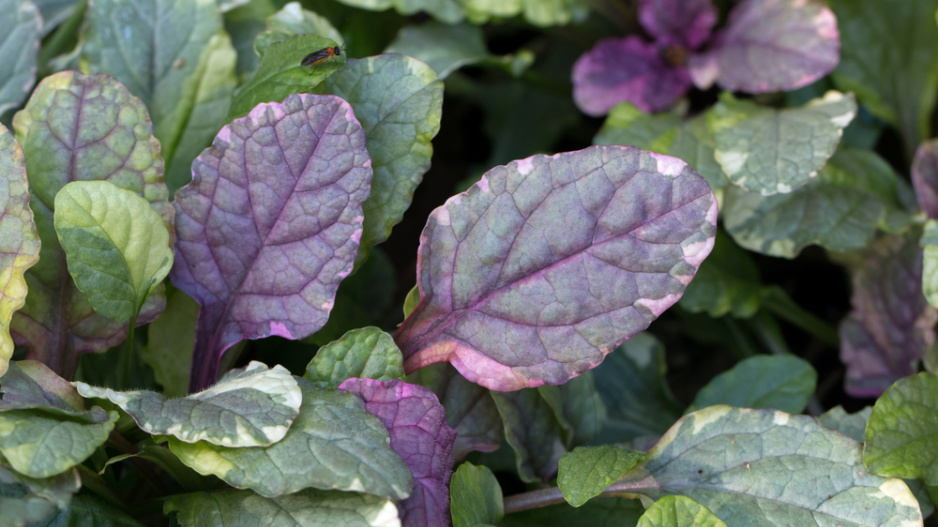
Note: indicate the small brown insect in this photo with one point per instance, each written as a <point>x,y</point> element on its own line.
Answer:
<point>179,63</point>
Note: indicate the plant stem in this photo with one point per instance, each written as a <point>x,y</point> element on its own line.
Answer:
<point>533,499</point>
<point>775,300</point>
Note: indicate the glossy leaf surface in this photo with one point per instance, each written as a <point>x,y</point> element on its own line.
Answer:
<point>587,471</point>
<point>476,496</point>
<point>678,511</point>
<point>366,353</point>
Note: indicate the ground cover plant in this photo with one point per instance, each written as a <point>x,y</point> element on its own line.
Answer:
<point>533,262</point>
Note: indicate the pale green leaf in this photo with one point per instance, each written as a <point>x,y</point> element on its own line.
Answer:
<point>19,44</point>
<point>24,500</point>
<point>365,353</point>
<point>445,48</point>
<point>784,382</point>
<point>587,471</point>
<point>851,425</point>
<point>411,301</point>
<point>475,496</point>
<point>448,11</point>
<point>929,245</point>
<point>678,511</point>
<point>170,341</point>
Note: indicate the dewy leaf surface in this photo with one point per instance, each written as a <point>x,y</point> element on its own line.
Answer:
<point>783,382</point>
<point>678,511</point>
<point>765,468</point>
<point>891,323</point>
<point>19,45</point>
<point>19,241</point>
<point>308,508</point>
<point>771,45</point>
<point>563,256</point>
<point>253,406</point>
<point>587,471</point>
<point>333,444</point>
<point>399,102</point>
<point>925,177</point>
<point>270,224</point>
<point>476,496</point>
<point>366,353</point>
<point>88,128</point>
<point>419,433</point>
<point>770,151</point>
<point>117,248</point>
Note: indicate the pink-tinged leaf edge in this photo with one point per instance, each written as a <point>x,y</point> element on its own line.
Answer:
<point>271,224</point>
<point>549,263</point>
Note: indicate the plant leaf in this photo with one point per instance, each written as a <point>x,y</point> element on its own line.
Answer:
<point>582,410</point>
<point>678,511</point>
<point>533,432</point>
<point>587,471</point>
<point>607,512</point>
<point>727,282</point>
<point>420,435</point>
<point>476,496</point>
<point>671,22</point>
<point>31,385</point>
<point>925,177</point>
<point>291,20</point>
<point>851,425</point>
<point>253,406</point>
<point>25,500</point>
<point>626,70</point>
<point>366,353</point>
<point>88,128</point>
<point>564,256</point>
<point>399,102</point>
<point>445,48</point>
<point>19,241</point>
<point>264,254</point>
<point>784,382</point>
<point>891,323</point>
<point>333,444</point>
<point>169,344</point>
<point>88,509</point>
<point>117,248</point>
<point>19,45</point>
<point>242,508</point>
<point>449,11</point>
<point>771,151</point>
<point>929,243</point>
<point>772,468</point>
<point>769,46</point>
<point>901,432</point>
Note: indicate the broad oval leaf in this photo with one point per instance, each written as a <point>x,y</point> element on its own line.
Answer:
<point>19,241</point>
<point>771,45</point>
<point>783,382</point>
<point>766,467</point>
<point>678,511</point>
<point>925,177</point>
<point>19,45</point>
<point>586,471</point>
<point>80,127</point>
<point>475,496</point>
<point>333,444</point>
<point>445,48</point>
<point>366,353</point>
<point>684,23</point>
<point>253,406</point>
<point>562,256</point>
<point>270,224</point>
<point>419,433</point>
<point>399,102</point>
<point>771,151</point>
<point>116,245</point>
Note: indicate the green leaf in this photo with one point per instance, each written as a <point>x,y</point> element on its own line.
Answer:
<point>117,247</point>
<point>929,245</point>
<point>88,509</point>
<point>24,500</point>
<point>280,73</point>
<point>170,340</point>
<point>856,192</point>
<point>902,432</point>
<point>678,511</point>
<point>411,301</point>
<point>784,382</point>
<point>766,467</point>
<point>445,48</point>
<point>19,241</point>
<point>399,102</point>
<point>31,385</point>
<point>607,512</point>
<point>364,353</point>
<point>727,282</point>
<point>333,444</point>
<point>291,20</point>
<point>448,11</point>
<point>475,496</point>
<point>39,445</point>
<point>769,151</point>
<point>581,408</point>
<point>303,509</point>
<point>532,431</point>
<point>851,425</point>
<point>19,46</point>
<point>888,59</point>
<point>252,406</point>
<point>587,471</point>
<point>538,12</point>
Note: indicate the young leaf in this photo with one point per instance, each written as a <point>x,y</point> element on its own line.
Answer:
<point>587,471</point>
<point>25,500</point>
<point>19,241</point>
<point>333,444</point>
<point>929,244</point>
<point>242,508</point>
<point>420,435</point>
<point>533,432</point>
<point>778,467</point>
<point>771,151</point>
<point>399,102</point>
<point>366,353</point>
<point>169,344</point>
<point>901,432</point>
<point>80,127</point>
<point>476,497</point>
<point>925,177</point>
<point>270,224</point>
<point>19,44</point>
<point>891,324</point>
<point>769,46</point>
<point>564,257</point>
<point>678,511</point>
<point>682,23</point>
<point>116,245</point>
<point>253,406</point>
<point>783,382</point>
<point>445,48</point>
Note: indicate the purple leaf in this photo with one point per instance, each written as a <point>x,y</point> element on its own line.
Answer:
<point>925,177</point>
<point>891,324</point>
<point>626,69</point>
<point>685,23</point>
<point>419,434</point>
<point>547,264</point>
<point>770,45</point>
<point>270,224</point>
